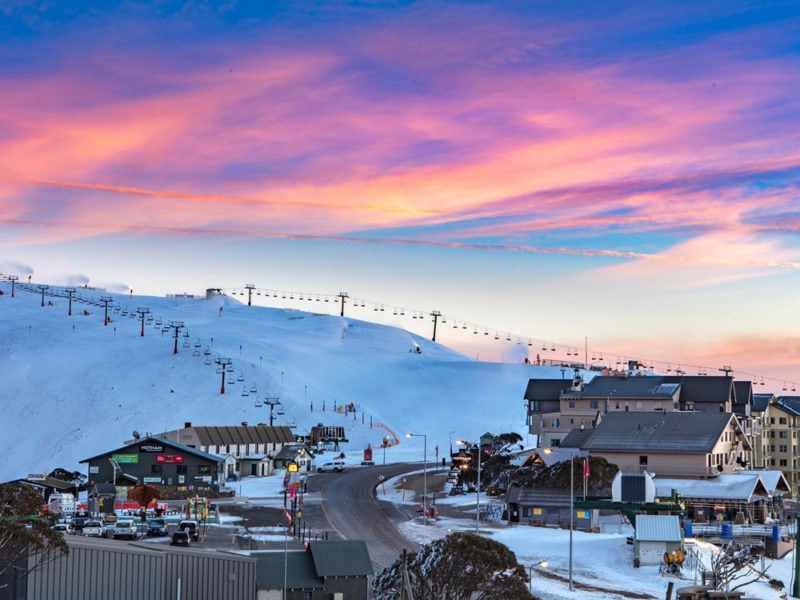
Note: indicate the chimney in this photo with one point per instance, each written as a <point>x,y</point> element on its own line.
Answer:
<point>187,424</point>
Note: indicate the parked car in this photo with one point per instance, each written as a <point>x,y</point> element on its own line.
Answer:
<point>191,528</point>
<point>79,519</point>
<point>92,529</point>
<point>180,538</point>
<point>63,528</point>
<point>335,466</point>
<point>157,527</point>
<point>125,528</point>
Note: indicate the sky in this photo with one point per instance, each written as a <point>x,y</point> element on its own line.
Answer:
<point>76,387</point>
<point>613,179</point>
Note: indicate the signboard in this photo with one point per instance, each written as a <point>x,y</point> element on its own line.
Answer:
<point>292,467</point>
<point>36,476</point>
<point>169,458</point>
<point>126,459</point>
<point>94,469</point>
<point>151,447</point>
<point>152,480</point>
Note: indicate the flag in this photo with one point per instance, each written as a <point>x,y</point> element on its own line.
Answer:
<point>586,468</point>
<point>437,450</point>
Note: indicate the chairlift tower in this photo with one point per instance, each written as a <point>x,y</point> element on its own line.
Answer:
<point>177,326</point>
<point>272,402</point>
<point>42,289</point>
<point>142,312</point>
<point>223,364</point>
<point>249,287</point>
<point>342,296</point>
<point>435,314</point>
<point>70,292</point>
<point>106,300</point>
<point>13,280</point>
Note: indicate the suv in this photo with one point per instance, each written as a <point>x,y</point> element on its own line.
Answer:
<point>335,466</point>
<point>125,528</point>
<point>180,538</point>
<point>191,528</point>
<point>92,529</point>
<point>63,527</point>
<point>157,526</point>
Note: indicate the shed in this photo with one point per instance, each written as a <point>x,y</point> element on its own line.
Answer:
<point>655,536</point>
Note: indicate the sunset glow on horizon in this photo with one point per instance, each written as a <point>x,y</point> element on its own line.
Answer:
<point>622,173</point>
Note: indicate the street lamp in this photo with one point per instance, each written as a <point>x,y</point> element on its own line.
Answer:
<point>424,437</point>
<point>542,564</point>
<point>478,483</point>
<point>571,505</point>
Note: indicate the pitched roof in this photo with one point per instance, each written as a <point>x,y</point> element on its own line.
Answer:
<point>656,432</point>
<point>743,391</point>
<point>546,389</point>
<point>703,388</point>
<point>340,558</point>
<point>744,485</point>
<point>299,570</point>
<point>165,442</point>
<point>629,387</point>
<point>221,435</point>
<point>761,401</point>
<point>790,403</point>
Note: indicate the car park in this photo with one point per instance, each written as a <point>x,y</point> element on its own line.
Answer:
<point>125,528</point>
<point>180,538</point>
<point>191,528</point>
<point>157,527</point>
<point>92,529</point>
<point>334,466</point>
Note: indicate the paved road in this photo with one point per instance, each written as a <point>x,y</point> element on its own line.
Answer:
<point>351,509</point>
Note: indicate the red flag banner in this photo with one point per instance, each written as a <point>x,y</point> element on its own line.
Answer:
<point>586,468</point>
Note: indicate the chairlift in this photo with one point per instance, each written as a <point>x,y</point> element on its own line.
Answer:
<point>496,335</point>
<point>258,403</point>
<point>280,412</point>
<point>231,380</point>
<point>240,377</point>
<point>186,344</point>
<point>245,392</point>
<point>508,337</point>
<point>186,333</point>
<point>253,389</point>
<point>196,352</point>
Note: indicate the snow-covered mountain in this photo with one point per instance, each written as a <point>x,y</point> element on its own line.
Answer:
<point>74,387</point>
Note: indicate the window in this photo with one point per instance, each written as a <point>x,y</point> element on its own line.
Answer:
<point>155,469</point>
<point>783,448</point>
<point>571,403</point>
<point>593,404</point>
<point>204,470</point>
<point>534,406</point>
<point>643,461</point>
<point>783,462</point>
<point>782,420</point>
<point>180,469</point>
<point>783,434</point>
<point>638,405</point>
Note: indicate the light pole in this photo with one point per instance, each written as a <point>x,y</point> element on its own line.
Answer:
<point>571,506</point>
<point>424,437</point>
<point>541,563</point>
<point>477,484</point>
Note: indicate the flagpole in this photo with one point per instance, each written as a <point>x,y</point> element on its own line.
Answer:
<point>585,475</point>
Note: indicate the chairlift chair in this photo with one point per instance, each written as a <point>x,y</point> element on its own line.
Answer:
<point>258,403</point>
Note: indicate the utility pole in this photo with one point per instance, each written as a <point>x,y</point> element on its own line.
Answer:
<point>106,300</point>
<point>435,314</point>
<point>42,288</point>
<point>250,287</point>
<point>142,312</point>
<point>177,326</point>
<point>342,295</point>
<point>13,279</point>
<point>70,292</point>
<point>272,402</point>
<point>727,370</point>
<point>223,365</point>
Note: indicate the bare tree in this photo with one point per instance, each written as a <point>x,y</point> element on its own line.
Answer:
<point>26,531</point>
<point>731,567</point>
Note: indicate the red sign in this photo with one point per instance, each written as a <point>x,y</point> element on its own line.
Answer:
<point>169,458</point>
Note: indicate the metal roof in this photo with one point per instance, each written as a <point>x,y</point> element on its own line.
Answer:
<point>703,388</point>
<point>761,401</point>
<point>166,442</point>
<point>624,386</point>
<point>658,528</point>
<point>299,570</point>
<point>789,403</point>
<point>222,435</point>
<point>340,558</point>
<point>546,389</point>
<point>657,432</point>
